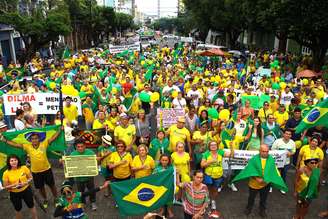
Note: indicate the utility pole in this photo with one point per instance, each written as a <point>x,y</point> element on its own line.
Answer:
<point>158,9</point>
<point>133,11</point>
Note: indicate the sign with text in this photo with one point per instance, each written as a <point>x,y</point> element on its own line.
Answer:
<point>121,48</point>
<point>41,103</point>
<point>80,166</point>
<point>241,157</point>
<point>168,117</point>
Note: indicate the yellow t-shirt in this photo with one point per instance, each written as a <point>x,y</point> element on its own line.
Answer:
<point>123,171</point>
<point>182,165</point>
<point>138,163</point>
<point>252,181</point>
<point>177,135</point>
<point>306,153</point>
<point>71,112</point>
<point>125,134</point>
<point>281,118</point>
<point>263,115</point>
<point>17,176</point>
<point>112,123</point>
<point>274,106</point>
<point>136,104</point>
<point>38,157</point>
<point>98,125</point>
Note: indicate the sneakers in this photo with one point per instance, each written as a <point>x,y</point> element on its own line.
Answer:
<point>270,189</point>
<point>45,204</point>
<point>219,189</point>
<point>247,211</point>
<point>263,213</point>
<point>93,206</point>
<point>282,192</point>
<point>323,182</point>
<point>233,187</point>
<point>213,205</point>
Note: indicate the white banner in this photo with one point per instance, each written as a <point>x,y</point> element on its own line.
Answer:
<point>121,48</point>
<point>41,103</point>
<point>241,157</point>
<point>168,116</point>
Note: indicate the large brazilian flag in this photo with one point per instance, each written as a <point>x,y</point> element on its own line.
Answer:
<point>142,195</point>
<point>316,116</point>
<point>54,150</point>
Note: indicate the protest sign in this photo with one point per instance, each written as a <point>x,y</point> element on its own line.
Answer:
<point>121,48</point>
<point>80,166</point>
<point>254,101</point>
<point>241,157</point>
<point>168,117</point>
<point>41,103</point>
<point>91,138</point>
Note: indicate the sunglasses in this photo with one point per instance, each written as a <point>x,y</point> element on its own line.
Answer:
<point>313,162</point>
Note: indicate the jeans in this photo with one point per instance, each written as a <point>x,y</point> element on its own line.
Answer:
<point>90,184</point>
<point>263,197</point>
<point>283,172</point>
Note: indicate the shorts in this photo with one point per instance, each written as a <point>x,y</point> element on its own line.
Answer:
<point>209,181</point>
<point>42,178</point>
<point>17,197</point>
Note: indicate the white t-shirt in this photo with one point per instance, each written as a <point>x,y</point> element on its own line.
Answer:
<point>280,144</point>
<point>196,94</point>
<point>19,125</point>
<point>286,98</point>
<point>211,93</point>
<point>240,127</point>
<point>167,88</point>
<point>179,104</point>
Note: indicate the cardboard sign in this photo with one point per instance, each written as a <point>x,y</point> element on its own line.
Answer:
<point>80,166</point>
<point>241,158</point>
<point>168,117</point>
<point>41,103</point>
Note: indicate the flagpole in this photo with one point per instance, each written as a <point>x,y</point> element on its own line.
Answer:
<point>61,104</point>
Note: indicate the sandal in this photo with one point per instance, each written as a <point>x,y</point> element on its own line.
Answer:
<point>323,214</point>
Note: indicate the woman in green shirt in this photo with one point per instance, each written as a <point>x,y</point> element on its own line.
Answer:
<point>164,164</point>
<point>159,145</point>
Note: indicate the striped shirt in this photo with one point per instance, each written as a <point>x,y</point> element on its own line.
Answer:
<point>194,199</point>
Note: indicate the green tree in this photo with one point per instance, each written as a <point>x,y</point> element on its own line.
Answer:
<point>304,21</point>
<point>36,26</point>
<point>226,16</point>
<point>123,22</point>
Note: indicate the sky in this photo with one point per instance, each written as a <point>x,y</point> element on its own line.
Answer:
<point>149,7</point>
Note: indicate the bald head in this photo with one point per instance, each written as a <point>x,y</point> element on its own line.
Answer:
<point>264,151</point>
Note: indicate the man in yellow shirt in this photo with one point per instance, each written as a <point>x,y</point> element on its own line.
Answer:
<point>40,166</point>
<point>70,110</point>
<point>281,116</point>
<point>101,122</point>
<point>125,132</point>
<point>179,133</point>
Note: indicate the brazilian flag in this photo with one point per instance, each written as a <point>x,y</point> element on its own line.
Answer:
<point>142,195</point>
<point>318,115</point>
<point>54,149</point>
<point>270,175</point>
<point>310,190</point>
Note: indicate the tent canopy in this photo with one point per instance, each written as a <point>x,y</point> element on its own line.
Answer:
<point>212,52</point>
<point>307,74</point>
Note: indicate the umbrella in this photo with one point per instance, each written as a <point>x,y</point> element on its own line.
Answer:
<point>212,52</point>
<point>306,74</point>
